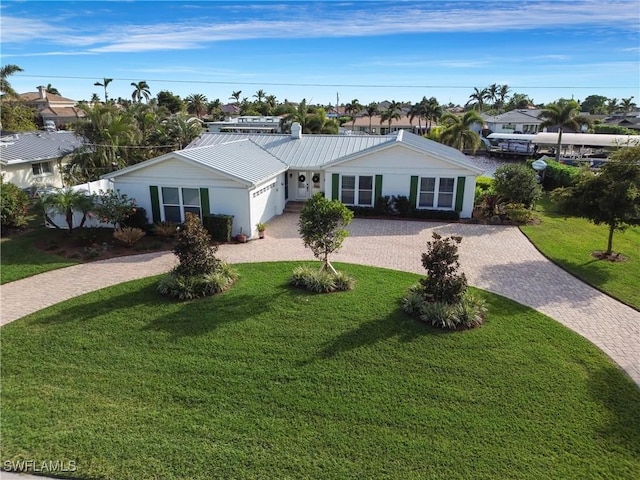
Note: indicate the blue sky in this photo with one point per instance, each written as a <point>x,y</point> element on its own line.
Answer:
<point>369,50</point>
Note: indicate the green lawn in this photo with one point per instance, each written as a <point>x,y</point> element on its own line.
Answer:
<point>20,258</point>
<point>569,243</point>
<point>265,381</point>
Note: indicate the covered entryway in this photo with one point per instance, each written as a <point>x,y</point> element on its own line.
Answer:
<point>303,184</point>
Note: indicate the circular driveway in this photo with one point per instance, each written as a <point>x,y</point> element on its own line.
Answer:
<point>495,258</point>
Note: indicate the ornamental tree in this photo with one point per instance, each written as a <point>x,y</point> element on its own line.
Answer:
<point>322,227</point>
<point>443,283</point>
<point>113,207</point>
<point>194,250</point>
<point>610,196</point>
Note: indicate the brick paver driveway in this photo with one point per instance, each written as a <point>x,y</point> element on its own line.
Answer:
<point>495,258</point>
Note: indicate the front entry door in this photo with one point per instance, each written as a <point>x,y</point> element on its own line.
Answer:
<point>303,185</point>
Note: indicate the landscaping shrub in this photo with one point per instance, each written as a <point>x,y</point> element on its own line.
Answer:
<point>402,205</point>
<point>138,219</point>
<point>384,206</point>
<point>199,273</point>
<point>14,206</point>
<point>443,283</point>
<point>441,298</point>
<point>320,281</point>
<point>114,207</point>
<point>518,213</point>
<point>517,183</point>
<point>559,175</point>
<point>128,235</point>
<point>165,229</point>
<point>219,226</point>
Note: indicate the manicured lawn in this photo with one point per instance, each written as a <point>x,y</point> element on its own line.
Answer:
<point>266,381</point>
<point>569,243</point>
<point>20,258</point>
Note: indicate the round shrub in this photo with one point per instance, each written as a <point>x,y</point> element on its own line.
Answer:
<point>559,175</point>
<point>517,183</point>
<point>185,287</point>
<point>14,206</point>
<point>320,281</point>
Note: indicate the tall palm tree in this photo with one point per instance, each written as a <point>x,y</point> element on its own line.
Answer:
<point>140,89</point>
<point>271,102</point>
<point>477,98</point>
<point>493,93</point>
<point>197,104</point>
<point>432,111</point>
<point>95,98</point>
<point>457,131</point>
<point>626,105</point>
<point>104,83</point>
<point>417,110</point>
<point>300,115</point>
<point>612,105</point>
<point>52,90</point>
<point>236,96</point>
<point>503,93</point>
<point>393,112</point>
<point>564,114</point>
<point>371,110</point>
<point>352,109</point>
<point>260,95</point>
<point>5,72</point>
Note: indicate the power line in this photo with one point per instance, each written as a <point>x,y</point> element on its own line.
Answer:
<point>332,85</point>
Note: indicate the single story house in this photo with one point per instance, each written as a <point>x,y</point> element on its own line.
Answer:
<point>252,176</point>
<point>34,159</point>
<point>514,121</point>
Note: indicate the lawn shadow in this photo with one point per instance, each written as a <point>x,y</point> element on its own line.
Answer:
<point>621,397</point>
<point>397,324</point>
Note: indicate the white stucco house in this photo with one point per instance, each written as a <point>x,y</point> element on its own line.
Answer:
<point>253,176</point>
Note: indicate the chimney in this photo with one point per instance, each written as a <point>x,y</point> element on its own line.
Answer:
<point>43,92</point>
<point>296,130</point>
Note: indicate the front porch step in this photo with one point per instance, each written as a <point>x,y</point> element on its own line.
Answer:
<point>293,207</point>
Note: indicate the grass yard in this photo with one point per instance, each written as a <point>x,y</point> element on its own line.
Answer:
<point>20,258</point>
<point>569,243</point>
<point>265,381</point>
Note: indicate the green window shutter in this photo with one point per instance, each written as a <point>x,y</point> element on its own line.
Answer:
<point>155,203</point>
<point>378,187</point>
<point>204,202</point>
<point>413,192</point>
<point>460,194</point>
<point>335,186</point>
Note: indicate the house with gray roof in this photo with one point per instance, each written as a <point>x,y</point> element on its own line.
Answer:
<point>253,176</point>
<point>514,121</point>
<point>35,159</point>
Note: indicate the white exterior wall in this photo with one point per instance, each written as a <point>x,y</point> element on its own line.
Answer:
<point>397,165</point>
<point>226,196</point>
<point>267,202</point>
<point>21,174</point>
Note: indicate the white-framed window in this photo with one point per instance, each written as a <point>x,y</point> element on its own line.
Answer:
<point>42,168</point>
<point>436,192</point>
<point>177,202</point>
<point>357,190</point>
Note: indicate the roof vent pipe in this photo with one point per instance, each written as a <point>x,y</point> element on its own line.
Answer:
<point>296,130</point>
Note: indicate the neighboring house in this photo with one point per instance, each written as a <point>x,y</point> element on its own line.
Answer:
<point>247,124</point>
<point>515,121</point>
<point>378,127</point>
<point>60,110</point>
<point>34,159</point>
<point>252,177</point>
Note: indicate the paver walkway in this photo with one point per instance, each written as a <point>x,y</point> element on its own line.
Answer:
<point>495,258</point>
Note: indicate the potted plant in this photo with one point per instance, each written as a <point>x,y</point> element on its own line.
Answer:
<point>241,237</point>
<point>261,228</point>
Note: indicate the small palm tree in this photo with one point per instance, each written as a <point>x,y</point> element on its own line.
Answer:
<point>457,131</point>
<point>565,114</point>
<point>612,105</point>
<point>393,112</point>
<point>66,201</point>
<point>626,105</point>
<point>141,89</point>
<point>5,72</point>
<point>236,96</point>
<point>104,83</point>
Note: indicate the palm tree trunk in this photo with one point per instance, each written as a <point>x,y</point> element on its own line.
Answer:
<point>559,146</point>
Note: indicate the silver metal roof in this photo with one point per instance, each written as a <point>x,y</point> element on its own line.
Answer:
<point>231,159</point>
<point>37,146</point>
<point>310,151</point>
<point>590,139</point>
